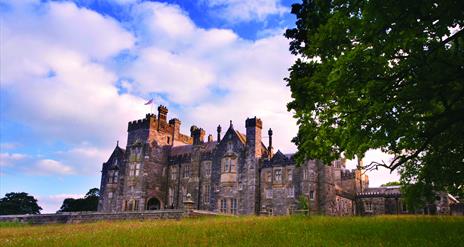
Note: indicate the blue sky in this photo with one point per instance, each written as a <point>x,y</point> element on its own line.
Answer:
<point>74,73</point>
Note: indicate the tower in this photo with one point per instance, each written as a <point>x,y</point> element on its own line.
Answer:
<point>253,155</point>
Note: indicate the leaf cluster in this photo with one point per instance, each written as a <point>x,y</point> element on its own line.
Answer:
<point>19,203</point>
<point>88,203</point>
<point>383,75</point>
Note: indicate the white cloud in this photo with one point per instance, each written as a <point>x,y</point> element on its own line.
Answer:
<point>245,10</point>
<point>54,72</point>
<point>50,167</point>
<point>60,83</point>
<point>191,66</point>
<point>9,159</point>
<point>86,159</point>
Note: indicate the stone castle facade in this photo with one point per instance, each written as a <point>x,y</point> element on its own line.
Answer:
<point>235,174</point>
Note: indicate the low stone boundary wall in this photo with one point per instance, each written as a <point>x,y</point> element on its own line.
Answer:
<point>92,216</point>
<point>457,209</point>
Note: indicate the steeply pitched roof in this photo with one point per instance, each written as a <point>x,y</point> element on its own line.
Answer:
<point>118,154</point>
<point>279,159</point>
<point>181,150</point>
<point>241,137</point>
<point>188,149</point>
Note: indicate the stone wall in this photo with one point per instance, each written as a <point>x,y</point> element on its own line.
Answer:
<point>92,217</point>
<point>457,209</point>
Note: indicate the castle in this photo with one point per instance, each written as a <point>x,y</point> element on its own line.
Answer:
<point>234,174</point>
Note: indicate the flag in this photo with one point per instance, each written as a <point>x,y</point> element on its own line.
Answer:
<point>149,102</point>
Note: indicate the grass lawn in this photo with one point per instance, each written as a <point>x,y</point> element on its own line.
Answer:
<point>246,231</point>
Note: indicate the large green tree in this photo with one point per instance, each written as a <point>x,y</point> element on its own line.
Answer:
<point>383,75</point>
<point>88,203</point>
<point>19,203</point>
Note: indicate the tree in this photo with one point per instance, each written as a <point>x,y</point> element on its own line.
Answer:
<point>88,203</point>
<point>19,203</point>
<point>393,183</point>
<point>383,75</point>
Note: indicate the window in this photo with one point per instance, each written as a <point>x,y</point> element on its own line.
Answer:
<point>136,206</point>
<point>207,168</point>
<point>290,192</point>
<point>289,174</point>
<point>168,139</point>
<point>132,205</point>
<point>269,176</point>
<point>305,173</point>
<point>233,206</point>
<point>113,177</point>
<point>173,173</point>
<point>186,170</point>
<point>229,165</point>
<point>368,206</point>
<point>223,206</point>
<point>311,195</point>
<point>136,154</point>
<point>206,189</point>
<point>134,169</point>
<point>170,197</point>
<point>268,193</point>
<point>278,175</point>
<point>110,195</point>
<point>230,147</point>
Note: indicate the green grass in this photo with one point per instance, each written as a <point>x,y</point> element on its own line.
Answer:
<point>247,231</point>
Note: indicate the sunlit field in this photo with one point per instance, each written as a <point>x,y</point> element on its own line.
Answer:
<point>246,231</point>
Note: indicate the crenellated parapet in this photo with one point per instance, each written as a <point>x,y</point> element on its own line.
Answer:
<point>141,123</point>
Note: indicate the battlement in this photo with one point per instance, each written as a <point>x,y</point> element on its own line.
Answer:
<point>174,121</point>
<point>141,123</point>
<point>254,122</point>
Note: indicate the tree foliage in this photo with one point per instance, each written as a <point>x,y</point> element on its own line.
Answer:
<point>393,183</point>
<point>383,75</point>
<point>19,203</point>
<point>88,203</point>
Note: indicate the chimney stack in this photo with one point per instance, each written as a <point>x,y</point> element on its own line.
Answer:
<point>270,147</point>
<point>253,135</point>
<point>219,133</point>
<point>198,135</point>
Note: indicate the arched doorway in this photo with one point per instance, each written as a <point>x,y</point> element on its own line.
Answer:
<point>153,204</point>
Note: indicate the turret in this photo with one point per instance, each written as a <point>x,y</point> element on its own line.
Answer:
<point>162,113</point>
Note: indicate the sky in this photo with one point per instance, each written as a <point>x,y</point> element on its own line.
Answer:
<point>73,73</point>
